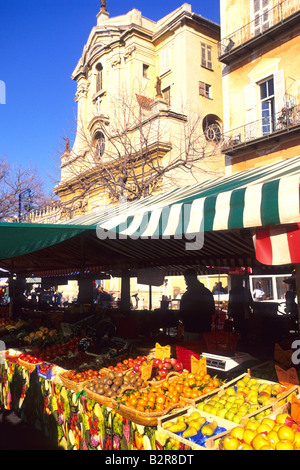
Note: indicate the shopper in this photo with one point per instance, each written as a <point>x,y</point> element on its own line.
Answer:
<point>197,307</point>
<point>239,307</point>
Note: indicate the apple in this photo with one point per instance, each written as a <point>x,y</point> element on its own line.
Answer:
<point>221,413</point>
<point>178,366</point>
<point>237,419</point>
<point>156,362</point>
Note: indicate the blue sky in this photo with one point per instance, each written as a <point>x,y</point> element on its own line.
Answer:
<point>41,42</point>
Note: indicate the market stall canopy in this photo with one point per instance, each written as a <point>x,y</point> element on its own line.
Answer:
<point>207,224</point>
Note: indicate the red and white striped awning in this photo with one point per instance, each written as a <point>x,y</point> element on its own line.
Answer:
<point>278,245</point>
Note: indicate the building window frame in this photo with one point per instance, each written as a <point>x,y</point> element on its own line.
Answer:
<point>267,104</point>
<point>99,77</point>
<point>206,56</point>
<point>99,145</point>
<point>166,92</point>
<point>205,90</point>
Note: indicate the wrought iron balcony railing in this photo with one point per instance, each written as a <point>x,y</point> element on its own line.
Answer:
<point>260,25</point>
<point>286,120</point>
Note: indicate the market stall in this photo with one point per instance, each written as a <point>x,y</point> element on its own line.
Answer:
<point>165,231</point>
<point>183,411</point>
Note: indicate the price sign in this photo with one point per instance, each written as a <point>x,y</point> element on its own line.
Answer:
<point>287,377</point>
<point>162,352</point>
<point>146,370</point>
<point>283,357</point>
<point>198,365</point>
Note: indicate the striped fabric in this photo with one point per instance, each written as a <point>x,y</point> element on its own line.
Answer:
<point>258,197</point>
<point>278,245</point>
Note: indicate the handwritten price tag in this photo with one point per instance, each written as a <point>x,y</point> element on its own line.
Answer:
<point>287,377</point>
<point>283,357</point>
<point>162,352</point>
<point>198,365</point>
<point>146,370</point>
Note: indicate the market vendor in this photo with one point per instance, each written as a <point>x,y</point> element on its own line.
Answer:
<point>197,307</point>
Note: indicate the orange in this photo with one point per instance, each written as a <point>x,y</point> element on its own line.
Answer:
<point>165,385</point>
<point>161,399</point>
<point>206,378</point>
<point>195,393</point>
<point>191,381</point>
<point>142,402</point>
<point>187,392</point>
<point>159,407</point>
<point>140,408</point>
<point>216,382</point>
<point>174,399</point>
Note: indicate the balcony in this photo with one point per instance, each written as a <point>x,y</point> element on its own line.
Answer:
<point>267,26</point>
<point>283,123</point>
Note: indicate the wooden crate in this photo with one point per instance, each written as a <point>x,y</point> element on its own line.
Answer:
<point>211,442</point>
<point>262,410</point>
<point>276,407</point>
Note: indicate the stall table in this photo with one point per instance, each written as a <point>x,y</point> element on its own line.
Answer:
<point>71,420</point>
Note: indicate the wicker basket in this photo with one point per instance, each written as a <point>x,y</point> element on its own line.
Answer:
<point>28,365</point>
<point>169,377</point>
<point>140,417</point>
<point>101,399</point>
<point>76,387</point>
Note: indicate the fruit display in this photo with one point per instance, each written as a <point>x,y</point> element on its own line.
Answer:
<point>245,397</point>
<point>29,359</point>
<point>80,377</point>
<point>115,383</point>
<point>162,367</point>
<point>278,433</point>
<point>40,334</point>
<point>63,348</point>
<point>175,391</point>
<point>128,363</point>
<point>194,427</point>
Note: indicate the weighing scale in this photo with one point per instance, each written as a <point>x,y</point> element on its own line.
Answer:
<point>229,366</point>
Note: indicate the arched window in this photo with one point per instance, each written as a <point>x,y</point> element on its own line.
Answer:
<point>99,145</point>
<point>99,77</point>
<point>212,129</point>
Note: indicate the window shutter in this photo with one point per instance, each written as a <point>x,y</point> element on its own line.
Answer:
<point>202,88</point>
<point>165,61</point>
<point>279,90</point>
<point>209,57</point>
<point>203,55</point>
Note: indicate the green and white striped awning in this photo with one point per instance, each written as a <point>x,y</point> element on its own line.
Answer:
<point>262,196</point>
<point>161,230</point>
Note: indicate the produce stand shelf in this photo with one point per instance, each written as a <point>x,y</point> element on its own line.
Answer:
<point>74,416</point>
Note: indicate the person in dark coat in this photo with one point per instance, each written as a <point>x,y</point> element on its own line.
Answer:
<point>197,307</point>
<point>240,303</point>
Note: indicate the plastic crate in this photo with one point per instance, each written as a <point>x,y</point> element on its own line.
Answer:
<point>221,342</point>
<point>187,349</point>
